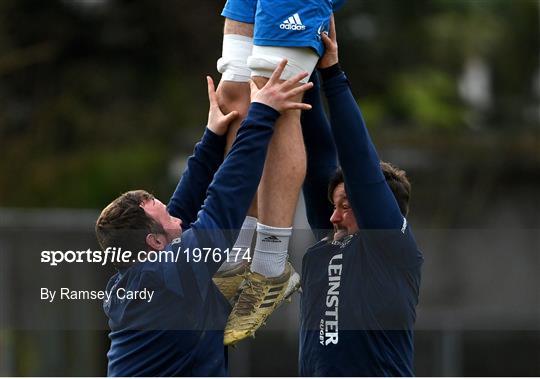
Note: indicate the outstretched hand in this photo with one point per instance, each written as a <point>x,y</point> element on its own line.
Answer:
<point>330,56</point>
<point>218,122</point>
<point>281,95</point>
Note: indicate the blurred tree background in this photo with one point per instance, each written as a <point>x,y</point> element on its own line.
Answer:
<point>101,96</point>
<point>97,96</point>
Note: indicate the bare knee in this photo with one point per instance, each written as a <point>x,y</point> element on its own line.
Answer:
<point>234,96</point>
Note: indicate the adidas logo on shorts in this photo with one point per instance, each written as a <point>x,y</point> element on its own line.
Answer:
<point>293,23</point>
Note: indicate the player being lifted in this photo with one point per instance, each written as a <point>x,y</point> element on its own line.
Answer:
<point>257,35</point>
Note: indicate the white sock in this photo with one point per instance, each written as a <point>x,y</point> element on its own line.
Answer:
<point>243,242</point>
<point>271,249</point>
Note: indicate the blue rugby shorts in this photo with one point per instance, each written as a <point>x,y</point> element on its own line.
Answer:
<point>287,23</point>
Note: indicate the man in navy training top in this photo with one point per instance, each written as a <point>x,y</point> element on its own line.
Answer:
<point>360,284</point>
<point>180,331</point>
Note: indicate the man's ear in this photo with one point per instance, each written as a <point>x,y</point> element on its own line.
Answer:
<point>156,241</point>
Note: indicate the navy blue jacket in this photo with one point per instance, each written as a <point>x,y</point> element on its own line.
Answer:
<point>180,332</point>
<point>359,294</point>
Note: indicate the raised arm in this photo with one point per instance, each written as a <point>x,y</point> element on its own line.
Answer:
<point>372,200</point>
<point>236,181</point>
<point>190,192</point>
<point>201,167</point>
<point>321,161</point>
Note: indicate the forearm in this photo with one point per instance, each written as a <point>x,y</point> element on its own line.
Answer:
<point>356,152</point>
<point>321,161</point>
<point>190,192</point>
<point>235,183</point>
<point>372,200</point>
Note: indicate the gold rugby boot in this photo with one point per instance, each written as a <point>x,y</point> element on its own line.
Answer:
<point>259,297</point>
<point>229,281</point>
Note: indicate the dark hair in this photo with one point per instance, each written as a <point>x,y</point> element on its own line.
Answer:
<point>396,179</point>
<point>124,223</point>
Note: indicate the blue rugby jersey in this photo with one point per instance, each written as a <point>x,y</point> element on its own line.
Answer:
<point>357,309</point>
<point>180,332</point>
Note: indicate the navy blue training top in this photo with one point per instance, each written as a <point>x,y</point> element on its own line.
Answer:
<point>180,332</point>
<point>359,294</point>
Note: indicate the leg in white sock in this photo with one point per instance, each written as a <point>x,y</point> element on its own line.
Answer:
<point>242,244</point>
<point>271,250</point>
